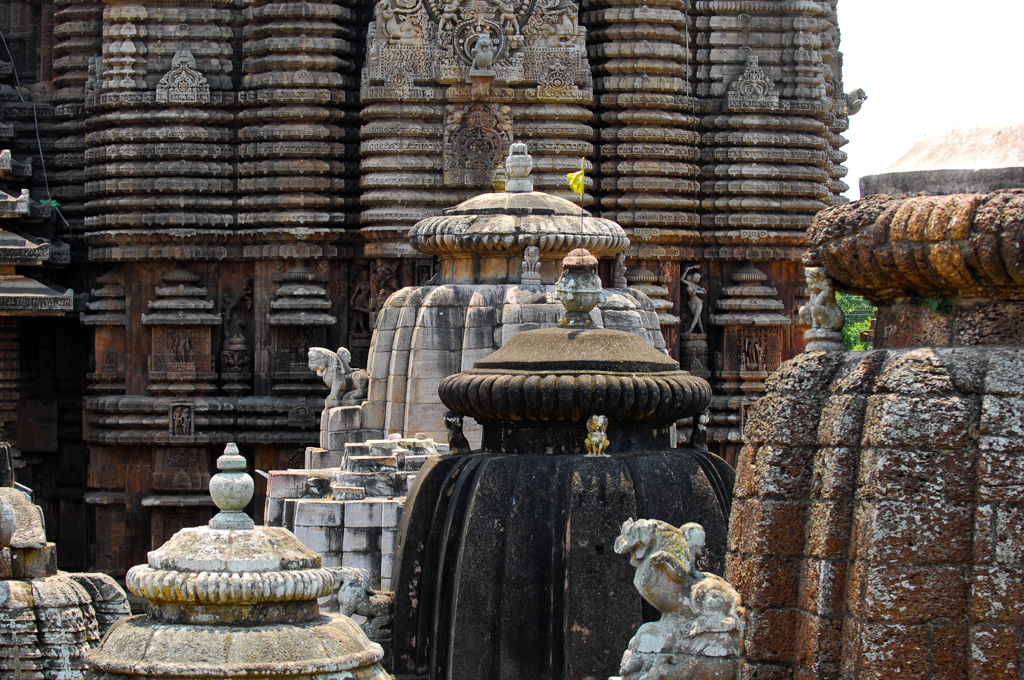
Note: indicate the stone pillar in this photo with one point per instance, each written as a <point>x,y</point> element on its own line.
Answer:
<point>160,152</point>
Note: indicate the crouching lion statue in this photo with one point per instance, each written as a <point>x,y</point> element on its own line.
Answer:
<point>353,596</point>
<point>700,632</point>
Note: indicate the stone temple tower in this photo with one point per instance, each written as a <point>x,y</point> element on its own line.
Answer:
<point>235,182</point>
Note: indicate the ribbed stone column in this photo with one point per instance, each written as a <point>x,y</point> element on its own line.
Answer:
<point>161,148</point>
<point>78,36</point>
<point>291,151</point>
<point>640,53</point>
<point>766,149</point>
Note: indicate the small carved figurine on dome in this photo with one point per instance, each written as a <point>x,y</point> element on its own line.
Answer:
<point>822,314</point>
<point>701,628</point>
<point>457,442</point>
<point>531,264</point>
<point>597,440</point>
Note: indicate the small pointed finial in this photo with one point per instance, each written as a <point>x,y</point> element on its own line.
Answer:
<point>231,489</point>
<point>499,179</point>
<point>518,166</point>
<point>578,288</point>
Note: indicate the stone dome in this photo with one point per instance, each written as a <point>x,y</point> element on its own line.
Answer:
<point>501,223</point>
<point>564,375</point>
<point>227,603</point>
<point>569,374</point>
<point>482,239</point>
<point>499,257</point>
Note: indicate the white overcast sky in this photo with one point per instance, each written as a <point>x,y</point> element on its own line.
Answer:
<point>927,65</point>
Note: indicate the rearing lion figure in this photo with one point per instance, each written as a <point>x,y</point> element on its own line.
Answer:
<point>348,385</point>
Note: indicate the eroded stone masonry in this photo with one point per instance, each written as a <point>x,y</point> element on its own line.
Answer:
<point>236,181</point>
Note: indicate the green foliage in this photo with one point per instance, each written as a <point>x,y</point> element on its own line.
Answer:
<point>939,305</point>
<point>858,313</point>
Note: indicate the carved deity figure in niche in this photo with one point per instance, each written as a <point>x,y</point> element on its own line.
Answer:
<point>694,302</point>
<point>384,281</point>
<point>475,140</point>
<point>182,423</point>
<point>531,265</point>
<point>183,350</point>
<point>449,16</point>
<point>507,15</point>
<point>400,25</point>
<point>235,306</point>
<point>557,17</point>
<point>360,304</point>
<point>754,350</point>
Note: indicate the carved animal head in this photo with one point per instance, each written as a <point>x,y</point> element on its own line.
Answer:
<point>695,538</point>
<point>637,537</point>
<point>322,360</point>
<point>597,423</point>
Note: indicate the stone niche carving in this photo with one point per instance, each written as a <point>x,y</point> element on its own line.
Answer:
<point>476,139</point>
<point>183,84</point>
<point>181,320</point>
<point>299,318</point>
<point>447,85</point>
<point>699,635</point>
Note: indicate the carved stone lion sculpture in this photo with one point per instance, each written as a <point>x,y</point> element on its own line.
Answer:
<point>355,597</point>
<point>700,631</point>
<point>348,385</point>
<point>822,314</point>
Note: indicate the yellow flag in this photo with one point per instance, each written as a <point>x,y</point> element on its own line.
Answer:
<point>576,179</point>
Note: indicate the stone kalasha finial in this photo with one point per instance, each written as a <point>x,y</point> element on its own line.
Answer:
<point>578,288</point>
<point>518,166</point>
<point>701,629</point>
<point>231,489</point>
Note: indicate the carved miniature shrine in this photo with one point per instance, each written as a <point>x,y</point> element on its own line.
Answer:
<point>234,183</point>
<point>505,565</point>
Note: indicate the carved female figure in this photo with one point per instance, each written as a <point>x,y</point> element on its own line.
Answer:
<point>691,279</point>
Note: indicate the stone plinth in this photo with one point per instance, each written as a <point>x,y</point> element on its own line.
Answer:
<point>873,532</point>
<point>347,507</point>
